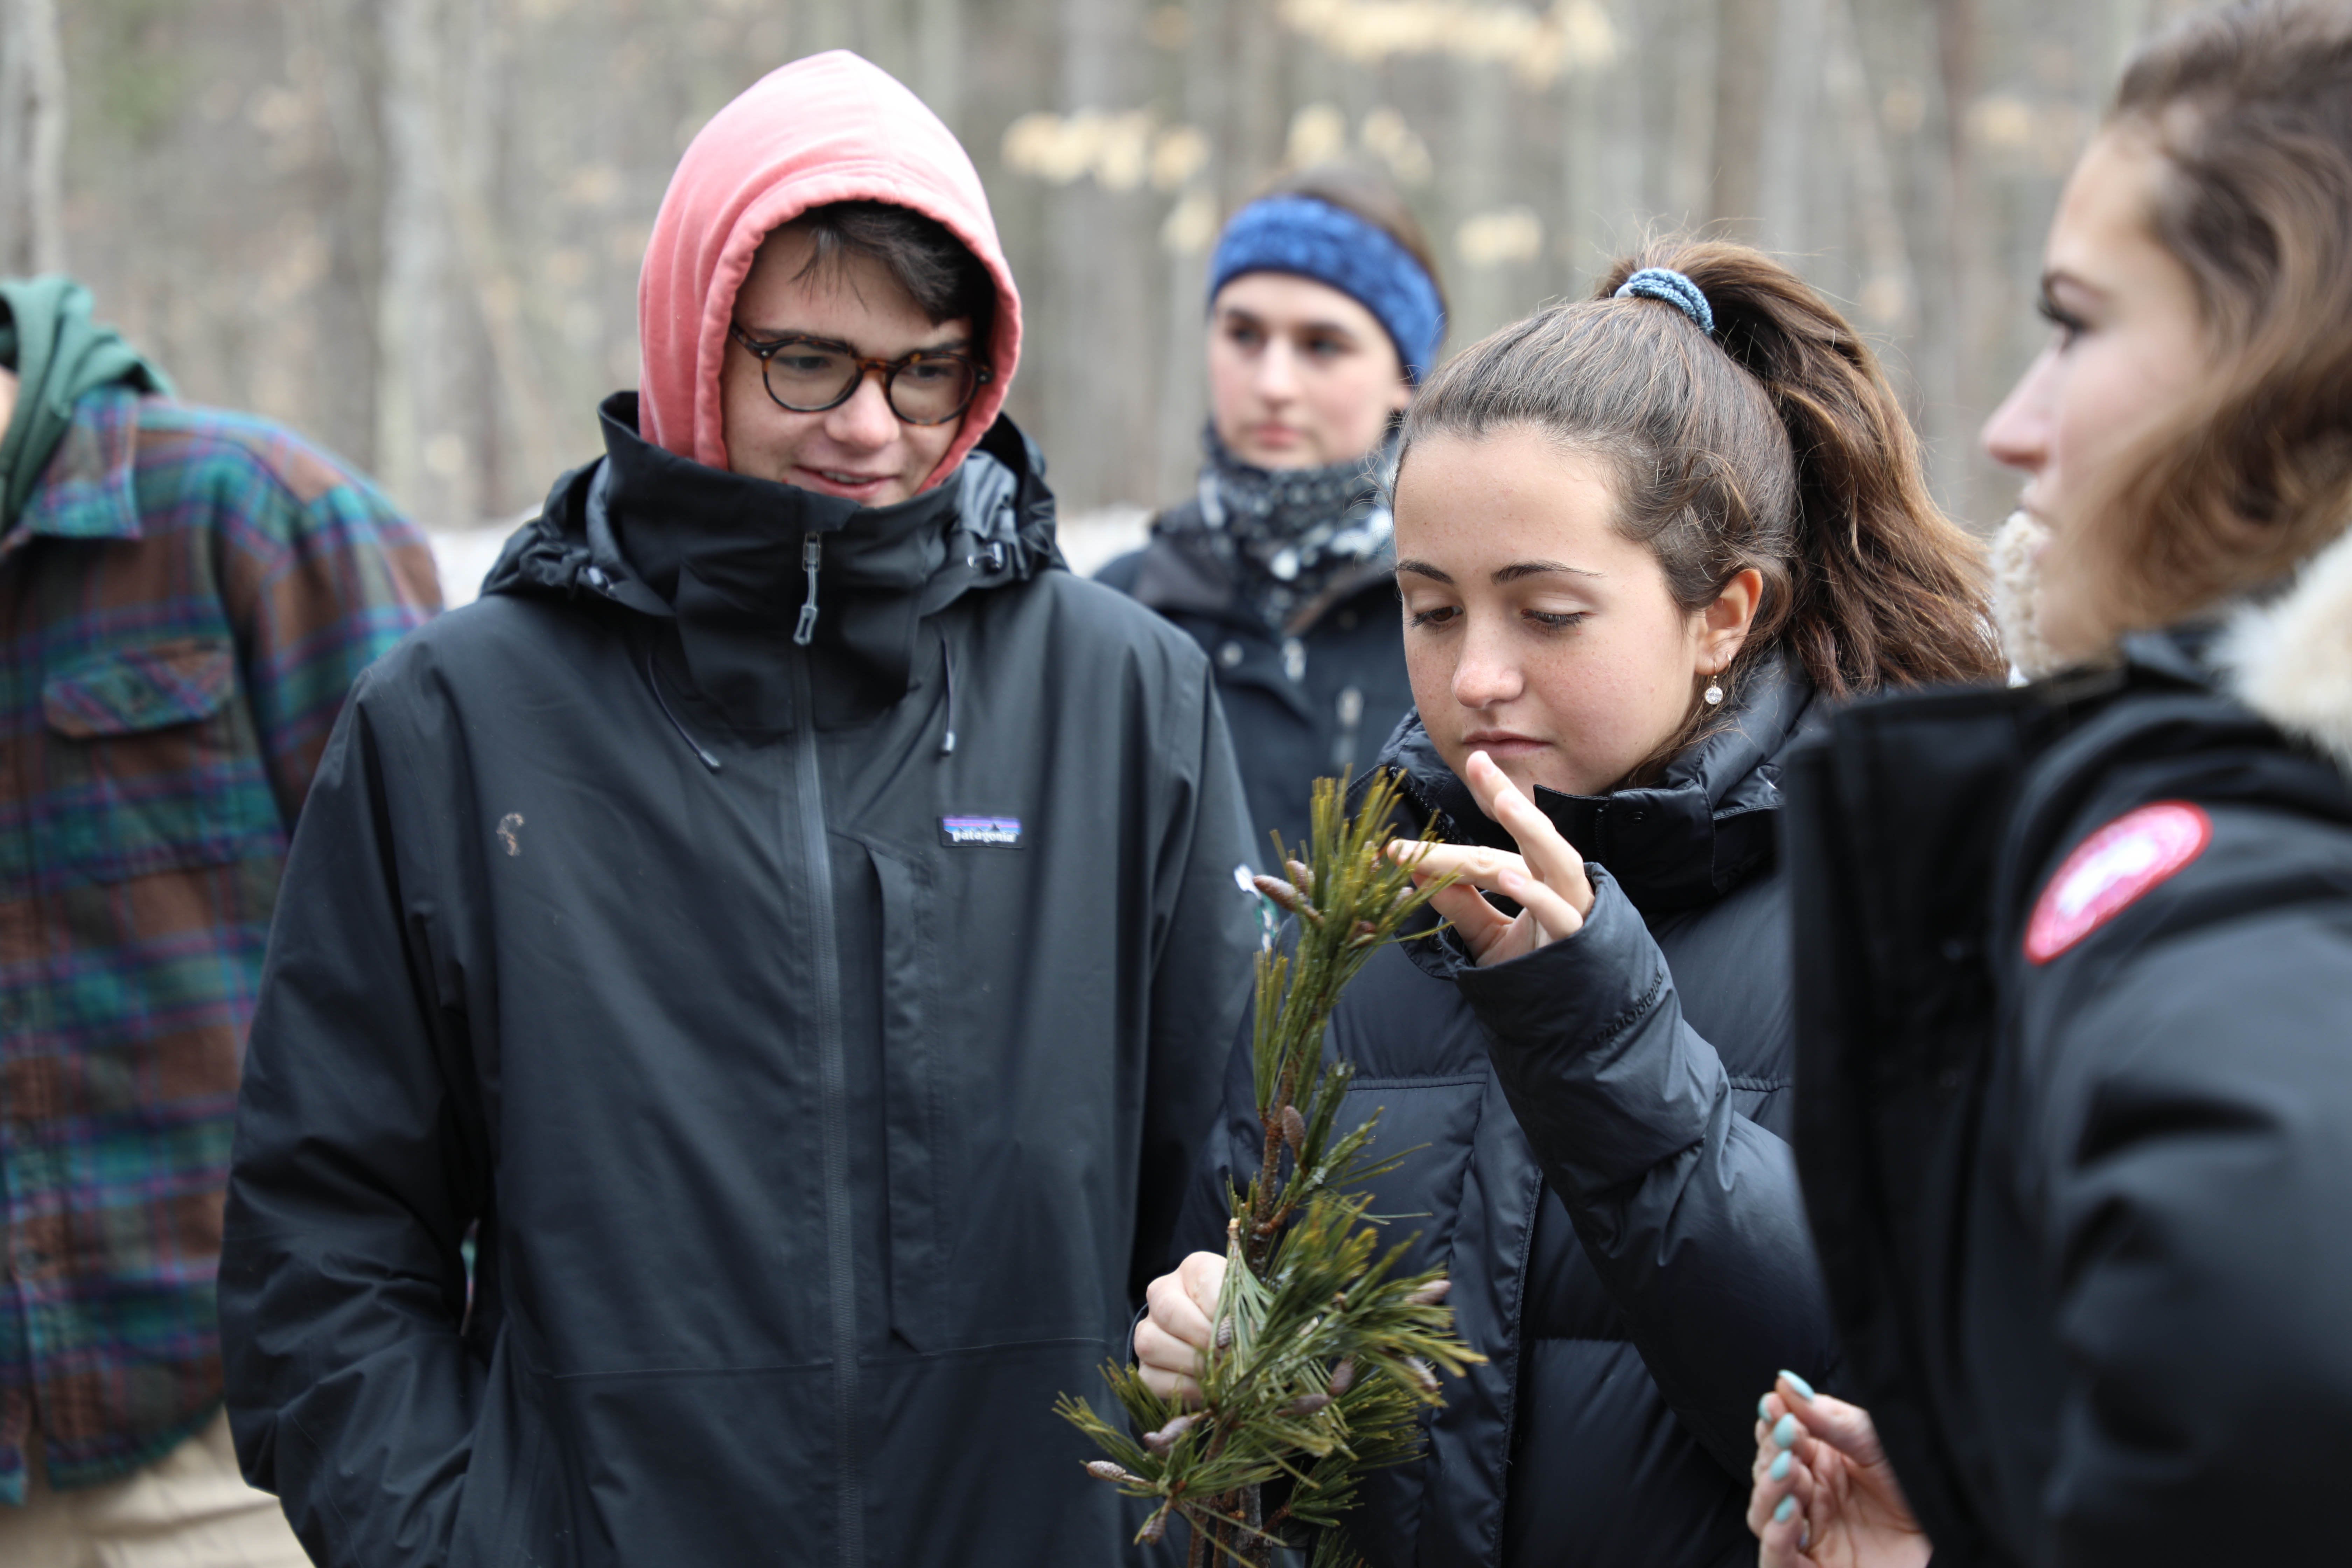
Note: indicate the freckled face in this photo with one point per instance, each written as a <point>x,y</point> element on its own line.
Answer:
<point>1301,375</point>
<point>860,449</point>
<point>2128,354</point>
<point>1535,631</point>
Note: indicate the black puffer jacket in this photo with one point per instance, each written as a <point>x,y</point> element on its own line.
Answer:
<point>2075,986</point>
<point>1597,1162</point>
<point>821,1092</point>
<point>1306,702</point>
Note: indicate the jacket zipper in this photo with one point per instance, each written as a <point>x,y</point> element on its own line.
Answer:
<point>839,1240</point>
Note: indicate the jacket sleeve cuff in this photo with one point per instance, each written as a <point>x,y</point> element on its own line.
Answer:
<point>1587,1036</point>
<point>1567,992</point>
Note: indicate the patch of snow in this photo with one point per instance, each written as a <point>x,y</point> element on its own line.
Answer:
<point>1092,540</point>
<point>465,556</point>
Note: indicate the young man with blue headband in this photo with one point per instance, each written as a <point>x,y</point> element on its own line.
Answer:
<point>1325,312</point>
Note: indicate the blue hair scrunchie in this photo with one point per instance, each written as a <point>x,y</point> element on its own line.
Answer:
<point>1332,245</point>
<point>1664,284</point>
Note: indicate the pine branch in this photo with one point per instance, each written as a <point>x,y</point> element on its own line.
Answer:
<point>1323,1357</point>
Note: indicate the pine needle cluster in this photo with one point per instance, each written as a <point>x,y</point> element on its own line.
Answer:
<point>1324,1356</point>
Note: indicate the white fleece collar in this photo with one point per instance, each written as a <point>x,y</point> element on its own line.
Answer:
<point>2289,660</point>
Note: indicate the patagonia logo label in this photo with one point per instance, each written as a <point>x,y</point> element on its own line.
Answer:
<point>1001,832</point>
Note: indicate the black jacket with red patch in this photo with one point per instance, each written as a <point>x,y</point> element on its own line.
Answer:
<point>2075,1112</point>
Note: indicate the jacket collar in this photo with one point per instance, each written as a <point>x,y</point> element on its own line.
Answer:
<point>2291,660</point>
<point>1178,575</point>
<point>722,557</point>
<point>1686,840</point>
<point>2286,655</point>
<point>87,490</point>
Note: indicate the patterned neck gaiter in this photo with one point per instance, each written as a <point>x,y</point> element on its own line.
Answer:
<point>1286,535</point>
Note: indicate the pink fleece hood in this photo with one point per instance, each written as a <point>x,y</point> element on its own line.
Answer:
<point>831,128</point>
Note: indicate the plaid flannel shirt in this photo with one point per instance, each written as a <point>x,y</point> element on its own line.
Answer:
<point>185,602</point>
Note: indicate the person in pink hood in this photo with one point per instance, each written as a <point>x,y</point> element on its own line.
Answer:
<point>788,923</point>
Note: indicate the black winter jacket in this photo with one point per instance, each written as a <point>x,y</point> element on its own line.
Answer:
<point>1597,1161</point>
<point>819,1092</point>
<point>1307,702</point>
<point>2087,1215</point>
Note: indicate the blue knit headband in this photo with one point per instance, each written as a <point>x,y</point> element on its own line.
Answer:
<point>1334,247</point>
<point>1664,283</point>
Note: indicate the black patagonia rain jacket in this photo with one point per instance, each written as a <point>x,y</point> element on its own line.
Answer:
<point>2086,1221</point>
<point>1307,702</point>
<point>819,1087</point>
<point>1596,1161</point>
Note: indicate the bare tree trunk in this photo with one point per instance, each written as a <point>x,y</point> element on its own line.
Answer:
<point>1105,275</point>
<point>1743,36</point>
<point>1183,380</point>
<point>1953,417</point>
<point>346,193</point>
<point>420,455</point>
<point>937,51</point>
<point>1694,60</point>
<point>1889,294</point>
<point>1482,286</point>
<point>32,138</point>
<point>469,163</point>
<point>1786,167</point>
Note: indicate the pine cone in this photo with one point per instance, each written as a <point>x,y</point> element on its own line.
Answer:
<point>1294,1129</point>
<point>1160,1442</point>
<point>1288,898</point>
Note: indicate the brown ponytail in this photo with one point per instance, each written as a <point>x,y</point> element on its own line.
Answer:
<point>1775,444</point>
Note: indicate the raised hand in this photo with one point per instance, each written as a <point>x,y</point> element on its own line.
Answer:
<point>1823,1495</point>
<point>1545,879</point>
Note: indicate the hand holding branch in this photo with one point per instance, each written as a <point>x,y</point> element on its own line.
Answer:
<point>1174,1334</point>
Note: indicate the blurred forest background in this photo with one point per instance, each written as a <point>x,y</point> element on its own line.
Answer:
<point>411,228</point>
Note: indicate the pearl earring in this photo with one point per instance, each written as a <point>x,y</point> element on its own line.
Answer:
<point>1714,692</point>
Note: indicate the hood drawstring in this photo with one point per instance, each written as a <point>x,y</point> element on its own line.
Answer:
<point>947,662</point>
<point>811,558</point>
<point>654,681</point>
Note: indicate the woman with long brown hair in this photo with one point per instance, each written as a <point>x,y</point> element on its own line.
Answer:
<point>2074,962</point>
<point>1643,541</point>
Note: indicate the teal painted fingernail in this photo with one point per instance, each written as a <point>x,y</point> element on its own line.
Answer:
<point>1780,1470</point>
<point>1804,1390</point>
<point>1784,1431</point>
<point>1763,1412</point>
<point>1787,1507</point>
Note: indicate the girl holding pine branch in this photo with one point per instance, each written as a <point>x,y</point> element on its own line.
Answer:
<point>1642,541</point>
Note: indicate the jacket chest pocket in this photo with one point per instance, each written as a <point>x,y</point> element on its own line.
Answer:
<point>150,763</point>
<point>915,1120</point>
<point>1430,1125</point>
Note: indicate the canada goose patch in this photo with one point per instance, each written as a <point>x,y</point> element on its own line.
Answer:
<point>2110,869</point>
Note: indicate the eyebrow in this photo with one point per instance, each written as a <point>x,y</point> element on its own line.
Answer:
<point>1502,574</point>
<point>1337,328</point>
